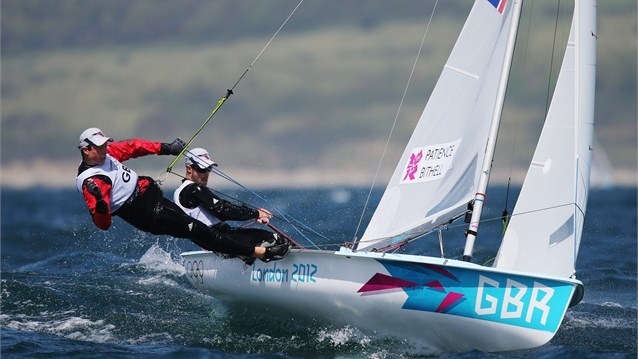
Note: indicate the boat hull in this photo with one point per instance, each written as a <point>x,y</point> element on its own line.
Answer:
<point>444,305</point>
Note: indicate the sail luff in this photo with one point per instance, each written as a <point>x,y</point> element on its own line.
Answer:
<point>576,209</point>
<point>585,64</point>
<point>479,198</point>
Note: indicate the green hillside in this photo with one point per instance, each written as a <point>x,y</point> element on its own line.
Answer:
<point>327,87</point>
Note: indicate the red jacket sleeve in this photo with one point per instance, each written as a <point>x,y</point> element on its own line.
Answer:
<point>101,220</point>
<point>133,148</point>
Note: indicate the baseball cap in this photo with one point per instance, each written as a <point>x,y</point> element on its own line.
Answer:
<point>93,136</point>
<point>200,158</point>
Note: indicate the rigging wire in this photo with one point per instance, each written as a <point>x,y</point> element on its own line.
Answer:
<point>387,144</point>
<point>295,223</point>
<point>505,218</point>
<point>551,65</point>
<point>225,97</point>
<point>450,225</point>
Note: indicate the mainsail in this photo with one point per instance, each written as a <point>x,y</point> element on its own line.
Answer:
<point>544,233</point>
<point>437,174</point>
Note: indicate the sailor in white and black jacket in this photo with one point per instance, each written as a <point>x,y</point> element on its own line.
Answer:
<point>199,202</point>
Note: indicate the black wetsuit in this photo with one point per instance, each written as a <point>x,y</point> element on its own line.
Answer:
<point>194,195</point>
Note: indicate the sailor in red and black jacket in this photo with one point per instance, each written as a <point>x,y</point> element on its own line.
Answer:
<point>110,188</point>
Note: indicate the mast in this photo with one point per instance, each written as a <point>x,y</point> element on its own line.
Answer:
<point>480,196</point>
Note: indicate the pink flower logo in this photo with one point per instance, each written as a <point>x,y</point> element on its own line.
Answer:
<point>413,166</point>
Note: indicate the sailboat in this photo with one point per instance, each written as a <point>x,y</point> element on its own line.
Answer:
<point>453,304</point>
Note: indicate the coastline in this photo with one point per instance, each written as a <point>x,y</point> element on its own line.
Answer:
<point>61,174</point>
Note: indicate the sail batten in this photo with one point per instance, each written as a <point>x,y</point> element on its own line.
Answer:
<point>472,76</point>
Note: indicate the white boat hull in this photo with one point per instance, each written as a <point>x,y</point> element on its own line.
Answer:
<point>445,305</point>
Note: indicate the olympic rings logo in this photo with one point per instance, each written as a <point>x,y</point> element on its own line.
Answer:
<point>195,271</point>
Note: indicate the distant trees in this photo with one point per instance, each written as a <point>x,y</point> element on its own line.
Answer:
<point>41,24</point>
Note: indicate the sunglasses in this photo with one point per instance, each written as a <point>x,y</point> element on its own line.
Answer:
<point>200,170</point>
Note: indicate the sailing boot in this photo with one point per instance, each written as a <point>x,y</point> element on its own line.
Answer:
<point>277,252</point>
<point>270,242</point>
<point>277,239</point>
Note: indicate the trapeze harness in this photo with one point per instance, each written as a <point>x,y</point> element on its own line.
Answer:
<point>196,212</point>
<point>123,180</point>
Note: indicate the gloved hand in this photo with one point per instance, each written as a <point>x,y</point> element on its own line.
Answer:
<point>94,190</point>
<point>176,147</point>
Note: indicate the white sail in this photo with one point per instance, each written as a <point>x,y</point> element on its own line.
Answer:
<point>544,233</point>
<point>437,174</point>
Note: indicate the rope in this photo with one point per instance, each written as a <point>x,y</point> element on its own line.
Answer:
<point>222,100</point>
<point>219,104</point>
<point>267,44</point>
<point>387,144</point>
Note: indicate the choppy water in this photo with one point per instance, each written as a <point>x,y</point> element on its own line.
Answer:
<point>72,291</point>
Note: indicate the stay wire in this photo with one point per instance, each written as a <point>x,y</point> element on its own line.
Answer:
<point>483,221</point>
<point>387,144</point>
<point>513,151</point>
<point>225,97</point>
<point>551,65</point>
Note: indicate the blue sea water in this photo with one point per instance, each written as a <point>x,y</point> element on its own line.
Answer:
<point>69,290</point>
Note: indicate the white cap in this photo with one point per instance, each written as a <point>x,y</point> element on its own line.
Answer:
<point>200,158</point>
<point>93,136</point>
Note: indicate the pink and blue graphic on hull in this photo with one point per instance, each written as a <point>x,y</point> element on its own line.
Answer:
<point>528,302</point>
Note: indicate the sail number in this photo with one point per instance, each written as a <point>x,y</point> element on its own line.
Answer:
<point>513,300</point>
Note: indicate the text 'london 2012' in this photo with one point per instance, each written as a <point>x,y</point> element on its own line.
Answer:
<point>300,273</point>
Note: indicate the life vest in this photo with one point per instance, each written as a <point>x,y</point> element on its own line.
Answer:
<point>198,212</point>
<point>123,180</point>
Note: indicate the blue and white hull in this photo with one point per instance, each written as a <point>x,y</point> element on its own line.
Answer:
<point>445,305</point>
